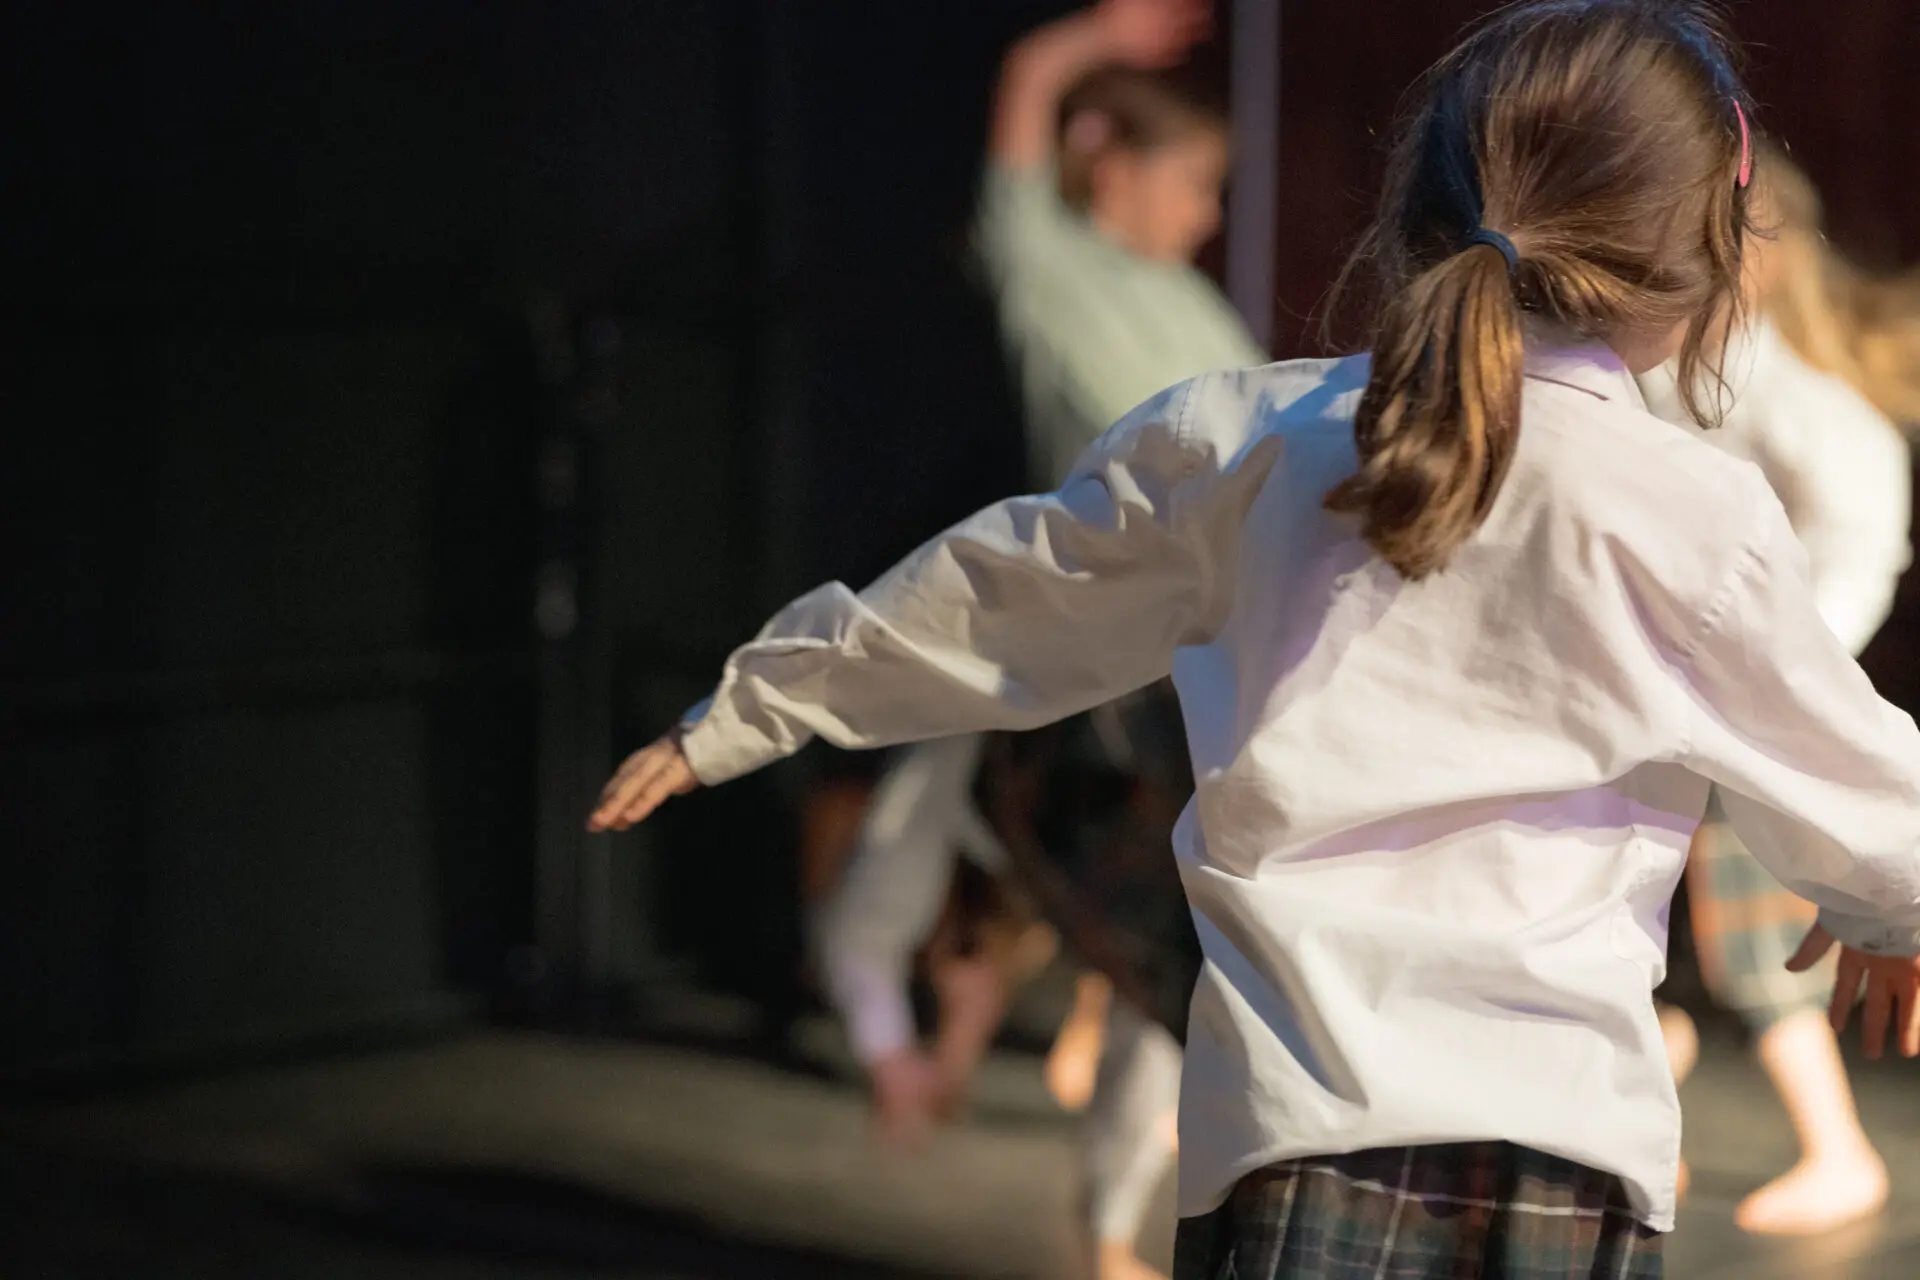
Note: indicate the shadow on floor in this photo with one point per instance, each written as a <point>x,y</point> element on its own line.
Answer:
<point>514,1214</point>
<point>90,1221</point>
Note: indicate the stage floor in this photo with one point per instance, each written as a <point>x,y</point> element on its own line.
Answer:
<point>498,1154</point>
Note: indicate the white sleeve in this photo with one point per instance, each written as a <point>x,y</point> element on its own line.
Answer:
<point>1851,507</point>
<point>888,899</point>
<point>1028,612</point>
<point>871,995</point>
<point>1819,775</point>
<point>1840,467</point>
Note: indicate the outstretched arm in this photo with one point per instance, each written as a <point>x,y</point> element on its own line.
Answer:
<point>1045,63</point>
<point>1028,612</point>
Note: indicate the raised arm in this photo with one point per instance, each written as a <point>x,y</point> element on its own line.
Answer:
<point>1030,611</point>
<point>1044,64</point>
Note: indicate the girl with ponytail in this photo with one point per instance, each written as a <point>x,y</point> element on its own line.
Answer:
<point>1463,636</point>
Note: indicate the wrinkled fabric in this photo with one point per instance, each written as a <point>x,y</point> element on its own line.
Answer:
<point>1842,471</point>
<point>1436,825</point>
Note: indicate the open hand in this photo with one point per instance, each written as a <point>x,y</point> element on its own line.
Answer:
<point>1892,992</point>
<point>1153,33</point>
<point>641,784</point>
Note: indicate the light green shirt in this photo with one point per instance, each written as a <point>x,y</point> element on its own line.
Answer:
<point>1092,329</point>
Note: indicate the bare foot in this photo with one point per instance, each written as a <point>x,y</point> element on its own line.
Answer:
<point>1117,1262</point>
<point>1682,1039</point>
<point>1816,1195</point>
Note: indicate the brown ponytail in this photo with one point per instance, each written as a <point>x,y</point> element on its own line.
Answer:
<point>1573,162</point>
<point>1440,418</point>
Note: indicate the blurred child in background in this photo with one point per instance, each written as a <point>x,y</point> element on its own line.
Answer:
<point>1801,409</point>
<point>1102,183</point>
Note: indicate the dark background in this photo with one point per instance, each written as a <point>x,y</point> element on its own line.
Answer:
<point>410,403</point>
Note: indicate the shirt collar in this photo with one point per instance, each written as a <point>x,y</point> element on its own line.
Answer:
<point>1592,367</point>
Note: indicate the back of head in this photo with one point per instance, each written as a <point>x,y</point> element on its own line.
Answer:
<point>1577,161</point>
<point>1126,109</point>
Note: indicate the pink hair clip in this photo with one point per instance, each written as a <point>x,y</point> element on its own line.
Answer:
<point>1746,145</point>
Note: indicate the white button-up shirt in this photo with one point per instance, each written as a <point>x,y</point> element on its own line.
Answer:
<point>1437,824</point>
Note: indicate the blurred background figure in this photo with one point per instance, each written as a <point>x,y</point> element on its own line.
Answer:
<point>1812,382</point>
<point>369,347</point>
<point>1103,180</point>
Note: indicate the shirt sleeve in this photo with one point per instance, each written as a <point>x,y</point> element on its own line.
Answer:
<point>1032,610</point>
<point>1820,776</point>
<point>1851,507</point>
<point>1101,373</point>
<point>1022,225</point>
<point>1091,328</point>
<point>871,994</point>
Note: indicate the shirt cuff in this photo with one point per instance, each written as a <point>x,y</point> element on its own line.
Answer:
<point>718,747</point>
<point>1874,937</point>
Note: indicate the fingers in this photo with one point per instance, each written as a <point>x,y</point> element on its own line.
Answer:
<point>642,783</point>
<point>1909,1015</point>
<point>669,779</point>
<point>1815,945</point>
<point>621,791</point>
<point>632,772</point>
<point>1877,1015</point>
<point>1846,990</point>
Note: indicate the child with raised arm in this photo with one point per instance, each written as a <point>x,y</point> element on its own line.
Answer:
<point>1102,182</point>
<point>1462,637</point>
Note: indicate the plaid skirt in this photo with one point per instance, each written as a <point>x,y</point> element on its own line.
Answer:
<point>1453,1212</point>
<point>1745,926</point>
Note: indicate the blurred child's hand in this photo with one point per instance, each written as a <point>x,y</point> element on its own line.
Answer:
<point>642,783</point>
<point>1153,33</point>
<point>1892,992</point>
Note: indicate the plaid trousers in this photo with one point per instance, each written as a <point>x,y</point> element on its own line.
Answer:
<point>1449,1212</point>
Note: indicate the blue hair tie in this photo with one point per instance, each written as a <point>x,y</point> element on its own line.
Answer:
<point>1483,235</point>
